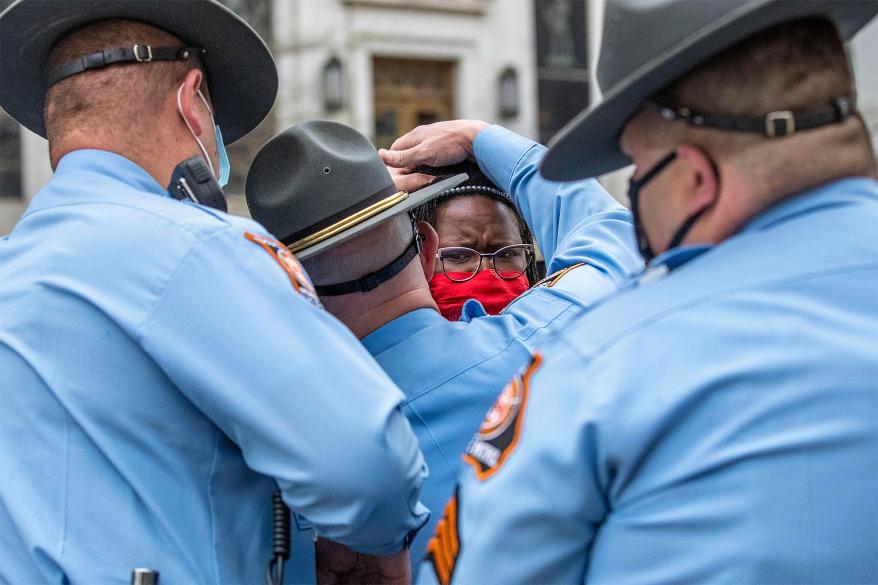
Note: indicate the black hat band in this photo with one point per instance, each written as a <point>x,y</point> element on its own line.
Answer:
<point>107,57</point>
<point>773,125</point>
<point>373,280</point>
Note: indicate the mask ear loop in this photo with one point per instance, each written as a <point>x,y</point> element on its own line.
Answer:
<point>684,229</point>
<point>191,131</point>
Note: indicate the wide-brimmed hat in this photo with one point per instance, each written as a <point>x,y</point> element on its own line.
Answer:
<point>648,44</point>
<point>241,74</point>
<point>320,183</point>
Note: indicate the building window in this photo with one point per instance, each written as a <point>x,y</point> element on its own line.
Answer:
<point>562,62</point>
<point>10,149</point>
<point>10,158</point>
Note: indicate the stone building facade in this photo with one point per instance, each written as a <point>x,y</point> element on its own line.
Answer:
<point>385,66</point>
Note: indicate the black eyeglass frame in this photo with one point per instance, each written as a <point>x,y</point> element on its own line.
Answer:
<point>483,255</point>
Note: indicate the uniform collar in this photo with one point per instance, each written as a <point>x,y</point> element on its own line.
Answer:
<point>841,192</point>
<point>109,165</point>
<point>672,259</point>
<point>833,194</point>
<point>93,175</point>
<point>401,329</point>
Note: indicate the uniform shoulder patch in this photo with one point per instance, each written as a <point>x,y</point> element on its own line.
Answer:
<point>290,264</point>
<point>498,434</point>
<point>553,279</point>
<point>444,547</point>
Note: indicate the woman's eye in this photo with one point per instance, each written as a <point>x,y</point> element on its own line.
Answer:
<point>457,257</point>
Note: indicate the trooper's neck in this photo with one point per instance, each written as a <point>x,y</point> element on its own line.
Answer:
<point>364,313</point>
<point>777,172</point>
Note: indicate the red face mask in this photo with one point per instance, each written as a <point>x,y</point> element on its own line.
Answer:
<point>486,287</point>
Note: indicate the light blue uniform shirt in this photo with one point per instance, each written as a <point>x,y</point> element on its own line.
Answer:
<point>452,372</point>
<point>717,423</point>
<point>159,372</point>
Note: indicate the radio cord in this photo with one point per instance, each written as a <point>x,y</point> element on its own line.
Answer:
<point>280,549</point>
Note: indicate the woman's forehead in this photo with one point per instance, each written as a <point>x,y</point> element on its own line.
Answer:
<point>477,217</point>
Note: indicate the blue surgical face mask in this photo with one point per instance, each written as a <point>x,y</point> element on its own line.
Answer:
<point>225,168</point>
<point>224,165</point>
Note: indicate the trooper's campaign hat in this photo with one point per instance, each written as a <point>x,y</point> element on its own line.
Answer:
<point>647,44</point>
<point>241,74</point>
<point>321,183</point>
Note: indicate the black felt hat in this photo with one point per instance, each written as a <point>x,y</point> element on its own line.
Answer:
<point>649,44</point>
<point>241,73</point>
<point>320,183</point>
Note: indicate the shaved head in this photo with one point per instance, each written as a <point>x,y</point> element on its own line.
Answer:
<point>122,99</point>
<point>362,254</point>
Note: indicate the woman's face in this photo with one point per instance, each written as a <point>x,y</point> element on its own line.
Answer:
<point>478,222</point>
<point>485,225</point>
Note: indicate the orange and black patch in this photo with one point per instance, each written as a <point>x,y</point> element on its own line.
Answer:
<point>553,279</point>
<point>444,548</point>
<point>290,264</point>
<point>498,434</point>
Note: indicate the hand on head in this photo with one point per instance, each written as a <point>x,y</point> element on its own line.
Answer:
<point>406,179</point>
<point>436,145</point>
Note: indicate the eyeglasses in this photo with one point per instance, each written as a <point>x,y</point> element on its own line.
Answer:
<point>462,264</point>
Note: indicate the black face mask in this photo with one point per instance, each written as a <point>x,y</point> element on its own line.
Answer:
<point>634,187</point>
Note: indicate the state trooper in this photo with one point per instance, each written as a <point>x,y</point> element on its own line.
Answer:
<point>322,189</point>
<point>165,365</point>
<point>716,420</point>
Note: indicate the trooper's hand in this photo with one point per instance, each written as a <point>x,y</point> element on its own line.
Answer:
<point>435,145</point>
<point>407,180</point>
<point>338,565</point>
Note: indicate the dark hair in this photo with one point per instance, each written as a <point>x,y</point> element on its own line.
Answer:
<point>477,184</point>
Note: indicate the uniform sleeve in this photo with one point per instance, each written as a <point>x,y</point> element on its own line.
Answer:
<point>293,389</point>
<point>573,223</point>
<point>529,499</point>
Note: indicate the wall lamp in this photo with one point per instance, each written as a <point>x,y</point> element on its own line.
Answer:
<point>508,98</point>
<point>333,85</point>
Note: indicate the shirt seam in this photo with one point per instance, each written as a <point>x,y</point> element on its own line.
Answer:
<point>173,277</point>
<point>517,338</point>
<point>164,218</point>
<point>517,167</point>
<point>518,162</point>
<point>564,245</point>
<point>670,312</point>
<point>64,504</point>
<point>432,437</point>
<point>211,502</point>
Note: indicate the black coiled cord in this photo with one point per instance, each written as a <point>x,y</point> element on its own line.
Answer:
<point>280,548</point>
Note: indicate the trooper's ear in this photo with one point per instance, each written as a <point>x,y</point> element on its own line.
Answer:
<point>190,105</point>
<point>702,188</point>
<point>429,244</point>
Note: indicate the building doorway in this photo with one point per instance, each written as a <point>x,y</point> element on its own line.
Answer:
<point>409,93</point>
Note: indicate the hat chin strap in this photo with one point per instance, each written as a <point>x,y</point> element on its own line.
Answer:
<point>777,124</point>
<point>374,279</point>
<point>107,57</point>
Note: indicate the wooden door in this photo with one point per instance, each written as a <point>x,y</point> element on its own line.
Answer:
<point>408,93</point>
